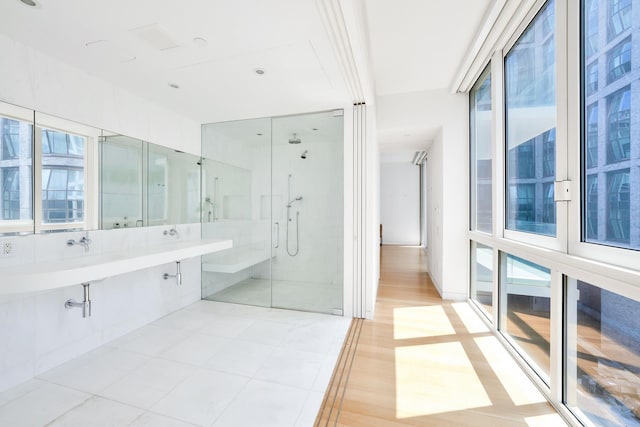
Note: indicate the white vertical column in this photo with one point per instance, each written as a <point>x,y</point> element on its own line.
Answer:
<point>359,210</point>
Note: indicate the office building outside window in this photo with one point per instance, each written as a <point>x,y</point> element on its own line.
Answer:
<point>611,127</point>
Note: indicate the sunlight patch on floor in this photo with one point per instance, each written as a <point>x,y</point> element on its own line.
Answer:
<point>431,378</point>
<point>420,322</point>
<point>519,387</point>
<point>471,321</point>
<point>548,420</point>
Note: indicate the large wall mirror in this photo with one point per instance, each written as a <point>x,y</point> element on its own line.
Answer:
<point>144,184</point>
<point>59,175</point>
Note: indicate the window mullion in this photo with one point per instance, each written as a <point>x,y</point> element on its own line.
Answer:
<point>498,146</point>
<point>37,179</point>
<point>562,114</point>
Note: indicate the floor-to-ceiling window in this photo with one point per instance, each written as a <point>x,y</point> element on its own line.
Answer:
<point>560,271</point>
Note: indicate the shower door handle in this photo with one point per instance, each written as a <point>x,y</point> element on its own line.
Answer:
<point>277,245</point>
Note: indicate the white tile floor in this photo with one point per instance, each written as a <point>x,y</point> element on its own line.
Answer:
<point>210,364</point>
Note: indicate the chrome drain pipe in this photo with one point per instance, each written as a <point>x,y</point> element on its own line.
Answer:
<point>178,275</point>
<point>85,305</point>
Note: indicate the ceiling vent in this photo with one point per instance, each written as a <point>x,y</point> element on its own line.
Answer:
<point>419,157</point>
<point>156,36</point>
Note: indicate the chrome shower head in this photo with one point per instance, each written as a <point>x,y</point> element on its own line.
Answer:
<point>304,155</point>
<point>295,140</point>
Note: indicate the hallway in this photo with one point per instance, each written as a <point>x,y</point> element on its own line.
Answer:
<point>427,362</point>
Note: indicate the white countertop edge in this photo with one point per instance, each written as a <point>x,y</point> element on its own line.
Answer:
<point>71,271</point>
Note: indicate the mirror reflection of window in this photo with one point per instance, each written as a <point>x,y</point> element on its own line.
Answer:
<point>16,210</point>
<point>63,187</point>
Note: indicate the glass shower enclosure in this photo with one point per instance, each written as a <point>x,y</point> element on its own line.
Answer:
<point>275,187</point>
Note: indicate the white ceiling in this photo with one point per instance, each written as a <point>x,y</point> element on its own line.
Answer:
<point>419,45</point>
<point>144,45</point>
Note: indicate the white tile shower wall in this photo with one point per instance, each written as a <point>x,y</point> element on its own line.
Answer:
<point>38,333</point>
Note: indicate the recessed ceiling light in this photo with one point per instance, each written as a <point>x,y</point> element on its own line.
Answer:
<point>259,71</point>
<point>174,86</point>
<point>30,3</point>
<point>200,42</point>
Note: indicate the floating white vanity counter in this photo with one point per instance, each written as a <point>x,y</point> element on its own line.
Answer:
<point>76,270</point>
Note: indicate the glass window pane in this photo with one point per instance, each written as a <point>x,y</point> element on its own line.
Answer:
<point>610,138</point>
<point>603,355</point>
<point>15,170</point>
<point>530,121</point>
<point>481,156</point>
<point>482,277</point>
<point>526,296</point>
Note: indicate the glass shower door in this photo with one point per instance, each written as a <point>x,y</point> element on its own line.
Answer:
<point>236,205</point>
<point>307,212</point>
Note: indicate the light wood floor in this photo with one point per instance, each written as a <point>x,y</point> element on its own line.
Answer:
<point>427,362</point>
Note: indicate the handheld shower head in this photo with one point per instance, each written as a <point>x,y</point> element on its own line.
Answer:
<point>304,155</point>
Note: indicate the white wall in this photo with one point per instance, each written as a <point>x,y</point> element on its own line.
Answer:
<point>448,190</point>
<point>36,331</point>
<point>400,203</point>
<point>434,212</point>
<point>33,80</point>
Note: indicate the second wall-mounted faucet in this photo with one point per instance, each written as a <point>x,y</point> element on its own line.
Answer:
<point>84,242</point>
<point>172,232</point>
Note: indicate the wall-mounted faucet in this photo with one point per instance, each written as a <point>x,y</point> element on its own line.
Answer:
<point>172,232</point>
<point>84,242</point>
<point>178,275</point>
<point>85,305</point>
